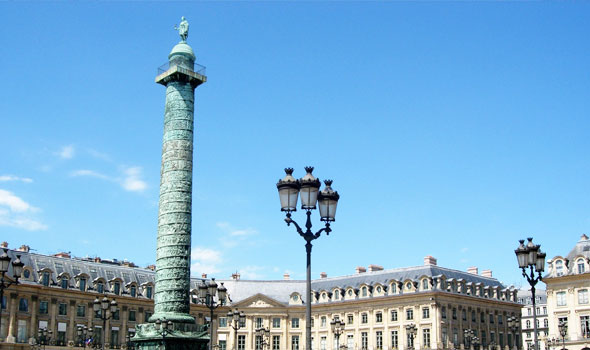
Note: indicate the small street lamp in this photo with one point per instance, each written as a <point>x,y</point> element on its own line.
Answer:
<point>309,188</point>
<point>513,325</point>
<point>207,293</point>
<point>84,333</point>
<point>530,256</point>
<point>563,332</point>
<point>264,334</point>
<point>337,328</point>
<point>164,327</point>
<point>43,338</point>
<point>468,335</point>
<point>105,309</point>
<point>552,342</point>
<point>475,342</point>
<point>411,329</point>
<point>236,319</point>
<point>17,270</point>
<point>130,344</point>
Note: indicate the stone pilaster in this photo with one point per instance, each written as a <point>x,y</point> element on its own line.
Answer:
<point>33,322</point>
<point>11,335</point>
<point>72,335</point>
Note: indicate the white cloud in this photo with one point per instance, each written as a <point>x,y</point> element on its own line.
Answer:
<point>99,155</point>
<point>132,181</point>
<point>67,152</point>
<point>91,173</point>
<point>15,178</point>
<point>205,260</point>
<point>16,204</point>
<point>252,272</point>
<point>233,231</point>
<point>15,212</point>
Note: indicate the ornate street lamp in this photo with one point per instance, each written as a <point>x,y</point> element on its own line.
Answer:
<point>468,335</point>
<point>164,327</point>
<point>264,334</point>
<point>17,270</point>
<point>337,328</point>
<point>411,329</point>
<point>552,342</point>
<point>105,309</point>
<point>513,325</point>
<point>475,342</point>
<point>130,344</point>
<point>308,186</point>
<point>563,332</point>
<point>84,334</point>
<point>530,256</point>
<point>43,338</point>
<point>236,319</point>
<point>207,292</point>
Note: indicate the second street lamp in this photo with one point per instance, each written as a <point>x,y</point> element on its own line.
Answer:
<point>236,319</point>
<point>562,332</point>
<point>105,309</point>
<point>530,256</point>
<point>17,270</point>
<point>308,186</point>
<point>263,335</point>
<point>411,329</point>
<point>207,294</point>
<point>513,327</point>
<point>337,327</point>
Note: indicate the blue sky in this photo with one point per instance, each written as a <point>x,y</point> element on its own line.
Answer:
<point>450,129</point>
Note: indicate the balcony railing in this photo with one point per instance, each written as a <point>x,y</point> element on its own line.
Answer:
<point>201,70</point>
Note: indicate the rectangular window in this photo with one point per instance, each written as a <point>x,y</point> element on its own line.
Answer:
<point>148,292</point>
<point>43,307</point>
<point>61,334</point>
<point>379,340</point>
<point>364,341</point>
<point>97,336</point>
<point>62,309</point>
<point>455,337</point>
<point>378,317</point>
<point>491,318</point>
<point>23,305</point>
<point>258,342</point>
<point>100,288</point>
<point>500,319</point>
<point>295,342</point>
<point>276,322</point>
<point>45,279</point>
<point>64,283</point>
<point>223,322</point>
<point>241,342</point>
<point>350,319</point>
<point>114,338</point>
<point>258,322</point>
<point>425,312</point>
<point>276,342</point>
<point>583,296</point>
<point>443,312</point>
<point>445,337</point>
<point>394,341</point>
<point>21,335</point>
<point>364,318</point>
<point>409,314</point>
<point>581,267</point>
<point>242,322</point>
<point>294,322</point>
<point>147,316</point>
<point>409,340</point>
<point>81,311</point>
<point>132,315</point>
<point>222,345</point>
<point>426,338</point>
<point>116,315</point>
<point>393,315</point>
<point>561,299</point>
<point>585,326</point>
<point>117,288</point>
<point>82,284</point>
<point>454,313</point>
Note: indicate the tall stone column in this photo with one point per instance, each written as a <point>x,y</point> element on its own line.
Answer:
<point>173,252</point>
<point>11,335</point>
<point>33,322</point>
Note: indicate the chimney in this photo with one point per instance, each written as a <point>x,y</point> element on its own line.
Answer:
<point>204,275</point>
<point>24,248</point>
<point>473,270</point>
<point>286,276</point>
<point>583,237</point>
<point>373,268</point>
<point>151,267</point>
<point>235,276</point>
<point>62,255</point>
<point>429,260</point>
<point>4,244</point>
<point>97,259</point>
<point>486,273</point>
<point>323,275</point>
<point>360,269</point>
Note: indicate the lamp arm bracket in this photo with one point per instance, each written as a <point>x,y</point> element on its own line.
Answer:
<point>290,221</point>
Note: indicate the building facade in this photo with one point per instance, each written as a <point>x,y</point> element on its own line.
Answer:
<point>376,305</point>
<point>526,324</point>
<point>568,283</point>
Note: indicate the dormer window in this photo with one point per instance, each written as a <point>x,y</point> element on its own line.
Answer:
<point>100,287</point>
<point>45,279</point>
<point>82,284</point>
<point>424,284</point>
<point>133,291</point>
<point>364,291</point>
<point>117,288</point>
<point>581,267</point>
<point>64,283</point>
<point>393,288</point>
<point>149,290</point>
<point>336,294</point>
<point>559,268</point>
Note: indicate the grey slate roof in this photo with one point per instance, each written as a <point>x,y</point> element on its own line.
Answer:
<point>279,290</point>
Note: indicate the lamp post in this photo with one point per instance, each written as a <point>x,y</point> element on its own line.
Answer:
<point>563,332</point>
<point>513,325</point>
<point>164,327</point>
<point>337,328</point>
<point>530,256</point>
<point>105,309</point>
<point>44,337</point>
<point>130,344</point>
<point>207,293</point>
<point>411,329</point>
<point>475,342</point>
<point>83,333</point>
<point>264,334</point>
<point>237,318</point>
<point>17,270</point>
<point>289,189</point>
<point>468,335</point>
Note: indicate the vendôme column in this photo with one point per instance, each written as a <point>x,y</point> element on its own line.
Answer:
<point>173,253</point>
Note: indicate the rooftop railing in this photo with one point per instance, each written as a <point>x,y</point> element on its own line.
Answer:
<point>201,70</point>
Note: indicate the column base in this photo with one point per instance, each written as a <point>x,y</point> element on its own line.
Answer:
<point>182,336</point>
<point>10,339</point>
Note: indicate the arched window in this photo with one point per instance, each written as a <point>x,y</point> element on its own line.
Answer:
<point>559,268</point>
<point>528,324</point>
<point>546,323</point>
<point>581,267</point>
<point>364,291</point>
<point>425,284</point>
<point>393,288</point>
<point>64,282</point>
<point>336,294</point>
